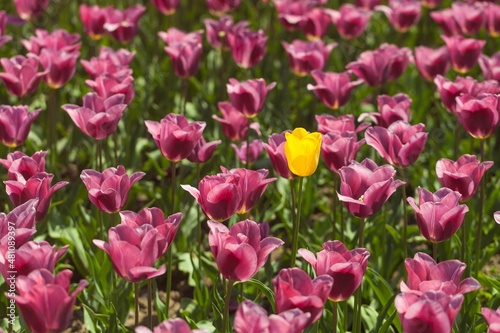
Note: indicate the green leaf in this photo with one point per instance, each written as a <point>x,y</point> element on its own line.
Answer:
<point>264,289</point>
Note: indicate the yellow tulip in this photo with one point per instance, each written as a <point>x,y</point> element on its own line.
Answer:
<point>302,151</point>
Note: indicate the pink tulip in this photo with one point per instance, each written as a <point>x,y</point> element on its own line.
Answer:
<point>251,186</point>
<point>462,176</point>
<point>293,288</point>
<point>218,196</point>
<point>133,251</point>
<point>176,325</point>
<point>32,256</point>
<point>276,150</point>
<point>432,62</point>
<point>439,216</point>
<point>250,154</point>
<point>490,66</point>
<point>15,124</point>
<point>247,47</point>
<point>234,123</point>
<point>21,75</point>
<point>98,117</point>
<point>431,3</point>
<point>344,123</point>
<point>424,274</point>
<point>464,52</point>
<point>123,25</point>
<point>203,150</point>
<point>175,136</point>
<point>384,64</point>
<point>217,31</point>
<point>446,20</point>
<point>492,19</point>
<point>402,14</point>
<point>492,318</point>
<point>220,7</point>
<point>29,9</point>
<point>61,67</point>
<point>392,109</point>
<point>34,291</point>
<point>93,19</point>
<point>367,4</point>
<point>351,21</point>
<point>496,217</point>
<point>291,12</point>
<point>58,40</point>
<point>347,268</point>
<point>109,190</point>
<point>184,50</point>
<point>304,57</point>
<point>111,62</point>
<point>153,217</point>
<point>251,317</point>
<point>174,35</point>
<point>339,149</point>
<point>24,165</point>
<point>249,96</point>
<point>315,23</point>
<point>469,17</point>
<point>240,251</point>
<point>22,219</point>
<point>36,187</point>
<point>3,22</point>
<point>400,144</point>
<point>108,85</point>
<point>333,89</point>
<point>432,312</point>
<point>478,115</point>
<point>166,7</point>
<point>365,187</point>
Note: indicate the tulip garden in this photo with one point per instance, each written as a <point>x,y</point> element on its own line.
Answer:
<point>249,166</point>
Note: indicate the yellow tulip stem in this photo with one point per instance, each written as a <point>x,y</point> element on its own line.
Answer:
<point>296,225</point>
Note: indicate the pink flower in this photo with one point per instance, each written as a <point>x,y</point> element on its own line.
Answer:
<point>61,66</point>
<point>21,75</point>
<point>347,268</point>
<point>58,40</point>
<point>304,57</point>
<point>315,23</point>
<point>496,217</point>
<point>439,216</point>
<point>293,288</point>
<point>241,250</point>
<point>176,325</point>
<point>384,64</point>
<point>175,136</point>
<point>28,9</point>
<point>469,17</point>
<point>351,21</point>
<point>153,217</point>
<point>291,13</point>
<point>490,66</point>
<point>108,85</point>
<point>217,31</point>
<point>432,62</point>
<point>402,14</point>
<point>392,109</point>
<point>492,318</point>
<point>367,4</point>
<point>123,25</point>
<point>276,150</point>
<point>220,7</point>
<point>251,317</point>
<point>166,7</point>
<point>247,47</point>
<point>464,52</point>
<point>24,165</point>
<point>344,123</point>
<point>250,154</point>
<point>432,312</point>
<point>400,144</point>
<point>184,50</point>
<point>35,187</point>
<point>203,150</point>
<point>478,115</point>
<point>34,291</point>
<point>109,190</point>
<point>133,251</point>
<point>365,187</point>
<point>492,19</point>
<point>234,123</point>
<point>424,274</point>
<point>333,89</point>
<point>218,196</point>
<point>462,176</point>
<point>22,218</point>
<point>338,149</point>
<point>3,22</point>
<point>98,117</point>
<point>93,19</point>
<point>15,124</point>
<point>115,63</point>
<point>446,20</point>
<point>249,96</point>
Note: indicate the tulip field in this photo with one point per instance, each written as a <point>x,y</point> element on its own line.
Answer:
<point>275,166</point>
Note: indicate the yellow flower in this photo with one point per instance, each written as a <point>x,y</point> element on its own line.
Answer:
<point>302,151</point>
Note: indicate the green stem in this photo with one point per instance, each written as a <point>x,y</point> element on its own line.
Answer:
<point>115,146</point>
<point>479,228</point>
<point>136,297</point>
<point>357,300</point>
<point>296,225</point>
<point>227,300</point>
<point>335,316</point>
<point>464,235</point>
<point>185,92</point>
<point>169,251</point>
<point>247,162</point>
<point>405,223</point>
<point>198,217</point>
<point>52,122</point>
<point>342,225</point>
<point>435,251</point>
<point>361,232</point>
<point>150,308</point>
<point>99,155</point>
<point>334,205</point>
<point>457,139</point>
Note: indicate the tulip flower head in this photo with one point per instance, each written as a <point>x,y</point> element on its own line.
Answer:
<point>347,268</point>
<point>247,47</point>
<point>339,149</point>
<point>351,21</point>
<point>241,250</point>
<point>464,52</point>
<point>184,50</point>
<point>217,31</point>
<point>304,57</point>
<point>29,9</point>
<point>93,19</point>
<point>430,62</point>
<point>234,123</point>
<point>21,75</point>
<point>276,150</point>
<point>344,123</point>
<point>333,89</point>
<point>478,115</point>
<point>402,14</point>
<point>123,25</point>
<point>203,150</point>
<point>251,154</point>
<point>249,96</point>
<point>3,22</point>
<point>176,325</point>
<point>315,23</point>
<point>490,66</point>
<point>392,109</point>
<point>23,219</point>
<point>439,216</point>
<point>446,20</point>
<point>302,150</point>
<point>18,163</point>
<point>492,19</point>
<point>469,17</point>
<point>15,124</point>
<point>220,7</point>
<point>166,7</point>
<point>492,317</point>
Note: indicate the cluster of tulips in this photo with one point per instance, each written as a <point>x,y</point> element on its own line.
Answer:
<point>142,246</point>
